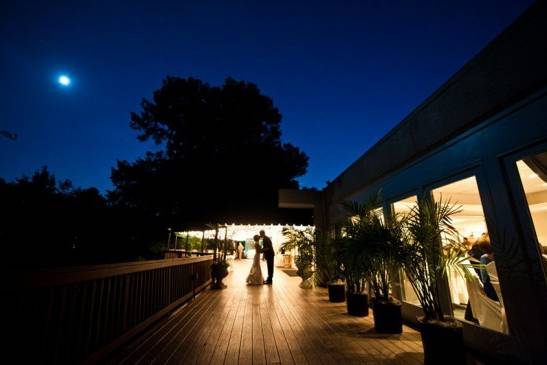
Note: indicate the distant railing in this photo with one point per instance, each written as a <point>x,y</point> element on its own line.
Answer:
<point>68,315</point>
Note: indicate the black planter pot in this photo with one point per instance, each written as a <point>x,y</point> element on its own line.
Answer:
<point>337,293</point>
<point>443,343</point>
<point>387,316</point>
<point>357,304</point>
<point>218,272</point>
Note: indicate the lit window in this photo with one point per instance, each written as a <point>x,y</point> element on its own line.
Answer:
<point>380,213</point>
<point>477,298</point>
<point>533,174</point>
<point>403,207</point>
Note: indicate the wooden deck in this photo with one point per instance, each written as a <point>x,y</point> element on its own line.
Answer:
<point>278,324</point>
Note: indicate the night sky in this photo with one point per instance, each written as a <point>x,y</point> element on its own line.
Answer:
<point>342,73</point>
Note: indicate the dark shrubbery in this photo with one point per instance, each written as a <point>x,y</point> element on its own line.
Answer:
<point>45,222</point>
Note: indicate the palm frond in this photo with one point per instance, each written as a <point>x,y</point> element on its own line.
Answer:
<point>432,251</point>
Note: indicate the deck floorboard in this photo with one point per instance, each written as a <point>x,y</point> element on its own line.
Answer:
<point>268,324</point>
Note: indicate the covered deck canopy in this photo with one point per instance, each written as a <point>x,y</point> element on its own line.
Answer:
<point>243,233</point>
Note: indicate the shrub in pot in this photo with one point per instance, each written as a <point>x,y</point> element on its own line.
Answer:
<point>219,267</point>
<point>426,263</point>
<point>386,257</point>
<point>302,241</point>
<point>327,272</point>
<point>381,244</point>
<point>352,255</point>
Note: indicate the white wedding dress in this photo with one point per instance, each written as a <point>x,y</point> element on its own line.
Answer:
<point>255,275</point>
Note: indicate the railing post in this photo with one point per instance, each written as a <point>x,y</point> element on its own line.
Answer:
<point>193,279</point>
<point>169,284</point>
<point>126,301</point>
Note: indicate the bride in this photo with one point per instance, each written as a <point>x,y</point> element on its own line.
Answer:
<point>255,275</point>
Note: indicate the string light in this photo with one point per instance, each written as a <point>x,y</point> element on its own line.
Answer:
<point>245,232</point>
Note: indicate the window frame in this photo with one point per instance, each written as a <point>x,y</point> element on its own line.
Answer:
<point>476,172</point>
<point>388,208</point>
<point>524,220</point>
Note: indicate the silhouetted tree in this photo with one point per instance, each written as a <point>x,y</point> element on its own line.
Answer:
<point>48,222</point>
<point>222,158</point>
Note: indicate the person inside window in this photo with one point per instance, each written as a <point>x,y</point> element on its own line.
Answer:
<point>485,259</point>
<point>480,252</point>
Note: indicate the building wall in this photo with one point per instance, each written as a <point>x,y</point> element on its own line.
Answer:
<point>479,123</point>
<point>511,67</point>
<point>489,152</point>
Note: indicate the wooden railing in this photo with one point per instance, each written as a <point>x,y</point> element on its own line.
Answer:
<point>70,315</point>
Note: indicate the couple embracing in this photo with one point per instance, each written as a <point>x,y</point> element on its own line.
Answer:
<point>255,275</point>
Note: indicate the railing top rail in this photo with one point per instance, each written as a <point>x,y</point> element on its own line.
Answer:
<point>26,278</point>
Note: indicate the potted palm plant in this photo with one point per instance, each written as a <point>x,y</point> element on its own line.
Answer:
<point>327,273</point>
<point>426,264</point>
<point>354,260</point>
<point>386,257</point>
<point>219,267</point>
<point>303,242</point>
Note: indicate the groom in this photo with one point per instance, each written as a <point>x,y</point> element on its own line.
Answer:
<point>268,252</point>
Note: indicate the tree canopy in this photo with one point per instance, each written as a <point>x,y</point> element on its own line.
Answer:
<point>219,159</point>
<point>221,156</point>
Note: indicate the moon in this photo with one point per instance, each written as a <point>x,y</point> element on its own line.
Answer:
<point>64,80</point>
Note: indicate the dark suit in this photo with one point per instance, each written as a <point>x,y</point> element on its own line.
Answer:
<point>268,251</point>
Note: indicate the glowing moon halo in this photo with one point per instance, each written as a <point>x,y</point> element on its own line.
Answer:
<point>64,80</point>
